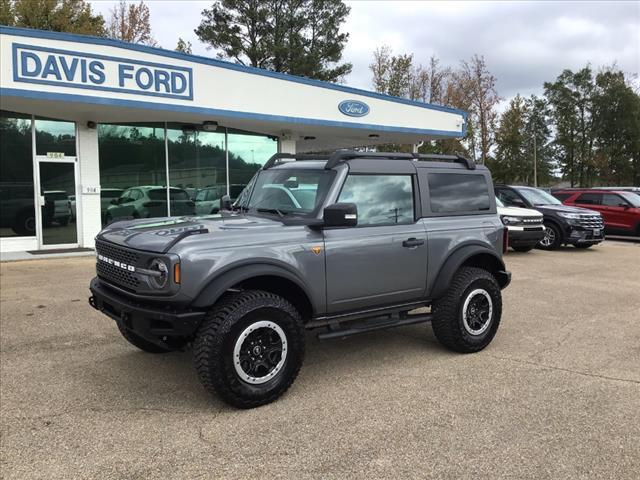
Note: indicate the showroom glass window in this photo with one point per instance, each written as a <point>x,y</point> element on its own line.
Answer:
<point>132,157</point>
<point>247,154</point>
<point>197,170</point>
<point>367,190</point>
<point>55,136</point>
<point>17,214</point>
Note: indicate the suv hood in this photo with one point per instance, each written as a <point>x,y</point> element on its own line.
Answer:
<point>518,212</point>
<point>160,234</point>
<point>565,209</point>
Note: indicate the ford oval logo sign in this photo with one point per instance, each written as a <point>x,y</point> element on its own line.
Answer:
<point>353,108</point>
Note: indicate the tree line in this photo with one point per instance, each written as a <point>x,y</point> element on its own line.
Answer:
<point>585,128</point>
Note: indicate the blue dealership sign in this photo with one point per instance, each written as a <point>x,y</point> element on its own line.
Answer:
<point>52,66</point>
<point>353,108</point>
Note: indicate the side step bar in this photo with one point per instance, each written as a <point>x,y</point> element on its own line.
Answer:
<point>372,326</point>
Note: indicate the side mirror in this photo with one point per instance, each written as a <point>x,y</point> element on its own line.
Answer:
<point>225,202</point>
<point>341,215</point>
<point>625,206</point>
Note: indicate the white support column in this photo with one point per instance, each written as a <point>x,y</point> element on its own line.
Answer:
<point>286,146</point>
<point>88,206</point>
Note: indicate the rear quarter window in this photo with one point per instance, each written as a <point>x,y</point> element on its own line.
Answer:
<point>458,193</point>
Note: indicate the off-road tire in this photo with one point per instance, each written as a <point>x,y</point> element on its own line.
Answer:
<point>213,348</point>
<point>557,237</point>
<point>140,342</point>
<point>522,249</point>
<point>583,246</point>
<point>447,322</point>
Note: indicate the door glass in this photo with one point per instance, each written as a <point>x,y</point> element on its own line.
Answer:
<point>57,184</point>
<point>381,199</point>
<point>612,200</point>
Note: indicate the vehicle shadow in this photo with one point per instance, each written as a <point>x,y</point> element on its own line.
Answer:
<point>133,380</point>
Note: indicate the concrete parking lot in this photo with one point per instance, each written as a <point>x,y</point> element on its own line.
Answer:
<point>556,395</point>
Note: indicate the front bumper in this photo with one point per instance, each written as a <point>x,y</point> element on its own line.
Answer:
<point>520,237</point>
<point>582,236</point>
<point>153,323</point>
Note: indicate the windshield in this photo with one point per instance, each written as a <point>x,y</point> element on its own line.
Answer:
<point>288,191</point>
<point>536,196</point>
<point>632,198</point>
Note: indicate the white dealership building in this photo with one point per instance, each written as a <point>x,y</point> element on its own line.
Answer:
<point>92,126</point>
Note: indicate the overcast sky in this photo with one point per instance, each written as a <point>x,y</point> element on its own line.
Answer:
<point>524,43</point>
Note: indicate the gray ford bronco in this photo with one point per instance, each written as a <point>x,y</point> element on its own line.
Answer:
<point>346,243</point>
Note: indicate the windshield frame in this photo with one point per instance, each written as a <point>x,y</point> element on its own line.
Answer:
<point>530,194</point>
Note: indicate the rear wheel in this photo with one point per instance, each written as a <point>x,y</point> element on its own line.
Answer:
<point>250,348</point>
<point>522,249</point>
<point>467,317</point>
<point>552,237</point>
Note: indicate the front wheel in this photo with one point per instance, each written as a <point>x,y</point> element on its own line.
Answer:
<point>467,317</point>
<point>552,237</point>
<point>250,348</point>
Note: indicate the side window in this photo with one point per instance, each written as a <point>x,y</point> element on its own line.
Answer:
<point>381,199</point>
<point>589,198</point>
<point>612,200</point>
<point>458,192</point>
<point>201,195</point>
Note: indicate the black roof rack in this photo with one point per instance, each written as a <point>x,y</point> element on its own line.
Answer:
<point>342,156</point>
<point>292,156</point>
<point>345,155</point>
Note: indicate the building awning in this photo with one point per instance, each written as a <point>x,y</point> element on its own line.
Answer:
<point>82,78</point>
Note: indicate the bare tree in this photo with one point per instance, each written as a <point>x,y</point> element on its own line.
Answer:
<point>131,23</point>
<point>479,87</point>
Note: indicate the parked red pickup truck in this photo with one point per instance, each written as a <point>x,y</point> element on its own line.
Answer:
<point>619,209</point>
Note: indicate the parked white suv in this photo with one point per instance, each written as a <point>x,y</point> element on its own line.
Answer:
<point>525,225</point>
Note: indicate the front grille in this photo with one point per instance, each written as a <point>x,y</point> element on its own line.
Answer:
<point>591,221</point>
<point>531,222</point>
<point>116,274</point>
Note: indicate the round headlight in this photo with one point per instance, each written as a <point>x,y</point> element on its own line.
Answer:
<point>160,279</point>
<point>507,220</point>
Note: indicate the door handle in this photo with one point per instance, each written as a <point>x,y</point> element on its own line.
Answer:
<point>412,242</point>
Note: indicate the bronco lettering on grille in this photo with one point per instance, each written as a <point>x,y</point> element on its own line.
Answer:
<point>116,263</point>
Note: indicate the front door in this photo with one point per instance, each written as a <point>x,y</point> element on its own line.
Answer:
<point>383,260</point>
<point>57,202</point>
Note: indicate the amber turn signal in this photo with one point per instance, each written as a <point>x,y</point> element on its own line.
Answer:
<point>176,273</point>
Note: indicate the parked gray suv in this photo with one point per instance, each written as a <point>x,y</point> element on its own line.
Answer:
<point>347,243</point>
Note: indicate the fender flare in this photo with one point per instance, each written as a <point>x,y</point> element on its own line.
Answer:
<point>460,256</point>
<point>235,274</point>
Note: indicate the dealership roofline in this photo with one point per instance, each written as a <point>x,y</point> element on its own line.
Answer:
<point>72,37</point>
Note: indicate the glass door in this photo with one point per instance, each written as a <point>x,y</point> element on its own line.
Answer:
<point>57,202</point>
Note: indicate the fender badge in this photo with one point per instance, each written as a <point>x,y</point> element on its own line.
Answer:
<point>316,250</point>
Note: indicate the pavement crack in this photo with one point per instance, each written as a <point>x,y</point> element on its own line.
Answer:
<point>568,370</point>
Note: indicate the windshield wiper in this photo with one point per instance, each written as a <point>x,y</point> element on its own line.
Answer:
<point>270,210</point>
